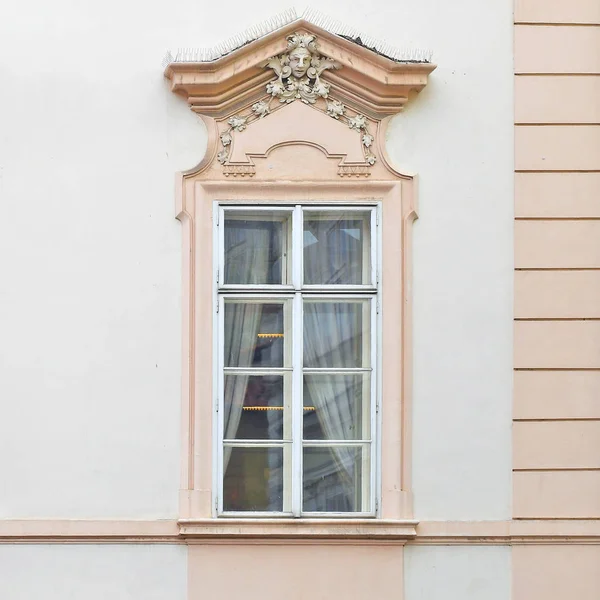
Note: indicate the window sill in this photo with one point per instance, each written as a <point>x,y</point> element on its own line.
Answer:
<point>341,529</point>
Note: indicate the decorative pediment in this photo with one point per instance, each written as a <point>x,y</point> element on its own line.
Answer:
<point>246,97</point>
<point>357,76</point>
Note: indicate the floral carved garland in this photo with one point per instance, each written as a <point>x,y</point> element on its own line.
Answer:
<point>298,72</point>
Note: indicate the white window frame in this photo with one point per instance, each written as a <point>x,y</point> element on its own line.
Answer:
<point>296,292</point>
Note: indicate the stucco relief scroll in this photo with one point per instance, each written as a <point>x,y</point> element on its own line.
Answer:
<point>298,73</point>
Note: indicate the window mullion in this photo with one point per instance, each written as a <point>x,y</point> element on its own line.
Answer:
<point>297,248</point>
<point>297,411</point>
<point>297,344</point>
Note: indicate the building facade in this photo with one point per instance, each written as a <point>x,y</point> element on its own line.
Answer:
<point>167,430</point>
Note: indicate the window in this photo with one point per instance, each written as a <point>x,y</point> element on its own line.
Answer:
<point>297,297</point>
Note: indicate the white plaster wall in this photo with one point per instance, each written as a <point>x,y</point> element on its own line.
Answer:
<point>90,252</point>
<point>457,135</point>
<point>93,572</point>
<point>457,572</point>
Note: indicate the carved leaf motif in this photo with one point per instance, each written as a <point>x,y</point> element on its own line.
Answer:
<point>226,139</point>
<point>298,40</point>
<point>275,63</point>
<point>275,88</point>
<point>357,122</point>
<point>321,89</point>
<point>260,108</point>
<point>237,123</point>
<point>335,109</point>
<point>222,156</point>
<point>327,63</point>
<point>367,140</point>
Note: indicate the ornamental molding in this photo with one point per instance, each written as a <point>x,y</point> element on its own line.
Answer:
<point>565,532</point>
<point>372,83</point>
<point>300,63</point>
<point>297,77</point>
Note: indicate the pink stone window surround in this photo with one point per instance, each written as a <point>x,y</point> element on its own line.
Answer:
<point>293,154</point>
<point>200,429</point>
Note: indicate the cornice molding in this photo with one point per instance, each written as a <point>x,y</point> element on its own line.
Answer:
<point>276,531</point>
<point>367,81</point>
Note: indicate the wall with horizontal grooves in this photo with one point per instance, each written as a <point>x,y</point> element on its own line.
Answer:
<point>557,244</point>
<point>557,147</point>
<point>557,294</point>
<point>554,195</point>
<point>556,407</point>
<point>540,445</point>
<point>548,572</point>
<point>546,395</point>
<point>558,99</point>
<point>564,49</point>
<point>557,11</point>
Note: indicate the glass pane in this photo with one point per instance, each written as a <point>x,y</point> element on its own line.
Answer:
<point>254,407</point>
<point>336,479</point>
<point>336,334</point>
<point>337,248</point>
<point>256,248</point>
<point>254,334</point>
<point>336,407</point>
<point>253,479</point>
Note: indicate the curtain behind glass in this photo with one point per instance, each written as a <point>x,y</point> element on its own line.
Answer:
<point>333,250</point>
<point>328,343</point>
<point>240,338</point>
<point>252,252</point>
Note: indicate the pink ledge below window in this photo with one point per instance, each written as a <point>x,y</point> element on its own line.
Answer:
<point>299,528</point>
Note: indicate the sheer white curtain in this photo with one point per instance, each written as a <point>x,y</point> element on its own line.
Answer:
<point>248,263</point>
<point>247,252</point>
<point>333,251</point>
<point>329,342</point>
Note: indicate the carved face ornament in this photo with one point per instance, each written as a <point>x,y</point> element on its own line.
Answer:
<point>299,62</point>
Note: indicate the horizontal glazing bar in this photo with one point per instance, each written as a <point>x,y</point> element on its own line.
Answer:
<point>255,288</point>
<point>263,515</point>
<point>279,294</point>
<point>256,208</point>
<point>251,295</point>
<point>257,370</point>
<point>337,294</point>
<point>315,443</point>
<point>337,371</point>
<point>277,290</point>
<point>339,288</point>
<point>341,204</point>
<point>263,408</point>
<point>337,515</point>
<point>255,443</point>
<point>364,207</point>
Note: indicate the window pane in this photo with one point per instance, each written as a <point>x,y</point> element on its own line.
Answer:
<point>336,407</point>
<point>254,334</point>
<point>254,408</point>
<point>335,479</point>
<point>256,248</point>
<point>253,479</point>
<point>337,248</point>
<point>336,334</point>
